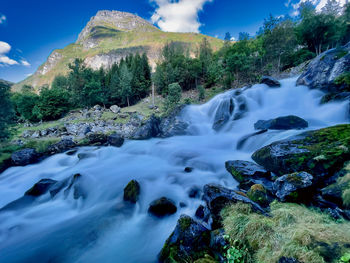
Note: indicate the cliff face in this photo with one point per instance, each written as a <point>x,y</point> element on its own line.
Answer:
<point>108,37</point>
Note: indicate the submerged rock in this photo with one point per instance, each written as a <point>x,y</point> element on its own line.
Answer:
<point>245,138</point>
<point>162,207</point>
<point>40,187</point>
<point>24,157</point>
<point>173,124</point>
<point>321,152</point>
<point>323,70</point>
<point>223,113</point>
<point>244,170</point>
<point>282,123</point>
<point>132,192</point>
<point>270,81</point>
<point>294,187</point>
<point>189,241</point>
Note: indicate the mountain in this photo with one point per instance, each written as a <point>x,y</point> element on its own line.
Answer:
<point>5,83</point>
<point>108,37</point>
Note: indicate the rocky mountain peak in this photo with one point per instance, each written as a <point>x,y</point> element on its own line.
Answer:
<point>107,22</point>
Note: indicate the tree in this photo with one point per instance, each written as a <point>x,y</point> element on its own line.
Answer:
<point>125,79</point>
<point>174,96</point>
<point>227,37</point>
<point>6,111</point>
<point>24,103</point>
<point>332,7</point>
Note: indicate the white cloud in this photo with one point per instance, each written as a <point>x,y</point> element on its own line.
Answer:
<point>4,58</point>
<point>233,39</point>
<point>178,15</point>
<point>2,19</point>
<point>25,63</point>
<point>319,4</point>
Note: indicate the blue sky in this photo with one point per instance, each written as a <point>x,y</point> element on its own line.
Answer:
<point>31,30</point>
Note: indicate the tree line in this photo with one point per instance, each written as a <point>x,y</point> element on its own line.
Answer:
<point>281,43</point>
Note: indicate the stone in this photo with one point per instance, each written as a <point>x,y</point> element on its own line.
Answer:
<point>282,123</point>
<point>223,113</point>
<point>132,192</point>
<point>162,207</point>
<point>24,157</point>
<point>243,170</point>
<point>97,139</point>
<point>115,140</point>
<point>189,241</point>
<point>258,194</point>
<point>115,109</point>
<point>40,187</point>
<point>241,142</point>
<point>61,146</point>
<point>203,213</point>
<point>323,70</point>
<point>188,169</point>
<point>321,152</point>
<point>173,124</point>
<point>271,82</point>
<point>295,187</point>
<point>194,192</point>
<point>288,260</point>
<point>97,108</point>
<point>148,130</point>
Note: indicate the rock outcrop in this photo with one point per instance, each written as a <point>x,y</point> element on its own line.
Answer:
<point>282,123</point>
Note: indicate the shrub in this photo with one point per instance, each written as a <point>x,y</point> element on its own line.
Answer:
<point>174,96</point>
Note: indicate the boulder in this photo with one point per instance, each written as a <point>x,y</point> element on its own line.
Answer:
<point>217,197</point>
<point>97,108</point>
<point>203,213</point>
<point>245,138</point>
<point>40,187</point>
<point>241,107</point>
<point>223,113</point>
<point>61,146</point>
<point>172,124</point>
<point>148,130</point>
<point>188,169</point>
<point>115,109</point>
<point>282,123</point>
<point>115,140</point>
<point>68,185</point>
<point>323,70</point>
<point>97,139</point>
<point>258,194</point>
<point>330,97</point>
<point>162,207</point>
<point>321,152</point>
<point>132,192</point>
<point>243,170</point>
<point>189,241</point>
<point>194,192</point>
<point>24,157</point>
<point>294,187</point>
<point>270,81</point>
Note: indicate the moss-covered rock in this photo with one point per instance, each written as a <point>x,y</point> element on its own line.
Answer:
<point>132,191</point>
<point>258,194</point>
<point>339,192</point>
<point>189,241</point>
<point>162,207</point>
<point>320,152</point>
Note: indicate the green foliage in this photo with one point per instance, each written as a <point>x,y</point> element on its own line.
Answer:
<point>174,97</point>
<point>6,110</point>
<point>24,104</point>
<point>345,258</point>
<point>201,92</point>
<point>237,252</point>
<point>343,79</point>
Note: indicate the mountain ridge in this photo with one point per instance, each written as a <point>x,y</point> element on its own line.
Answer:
<point>108,37</point>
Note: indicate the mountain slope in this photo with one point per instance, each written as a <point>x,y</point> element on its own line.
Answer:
<point>108,37</point>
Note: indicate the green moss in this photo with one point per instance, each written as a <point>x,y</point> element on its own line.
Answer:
<point>292,230</point>
<point>257,193</point>
<point>185,223</point>
<point>341,53</point>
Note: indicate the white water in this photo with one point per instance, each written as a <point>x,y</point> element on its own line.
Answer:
<point>99,228</point>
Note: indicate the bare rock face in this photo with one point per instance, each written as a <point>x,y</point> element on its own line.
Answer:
<point>50,63</point>
<point>116,21</point>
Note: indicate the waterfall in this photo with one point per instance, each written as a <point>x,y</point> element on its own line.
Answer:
<point>100,227</point>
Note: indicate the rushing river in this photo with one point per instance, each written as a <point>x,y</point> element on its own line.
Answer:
<point>99,227</point>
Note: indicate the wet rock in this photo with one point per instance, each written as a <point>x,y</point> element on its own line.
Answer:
<point>203,213</point>
<point>132,192</point>
<point>61,146</point>
<point>148,130</point>
<point>258,194</point>
<point>288,260</point>
<point>218,242</point>
<point>244,170</point>
<point>115,140</point>
<point>331,97</point>
<point>24,157</point>
<point>189,241</point>
<point>294,187</point>
<point>270,81</point>
<point>223,113</point>
<point>86,155</point>
<point>188,169</point>
<point>323,70</point>
<point>115,109</point>
<point>217,197</point>
<point>182,204</point>
<point>162,207</point>
<point>97,139</point>
<point>282,123</point>
<point>97,108</point>
<point>241,107</point>
<point>321,152</point>
<point>173,124</point>
<point>40,187</point>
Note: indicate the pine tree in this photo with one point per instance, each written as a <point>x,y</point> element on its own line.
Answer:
<point>125,79</point>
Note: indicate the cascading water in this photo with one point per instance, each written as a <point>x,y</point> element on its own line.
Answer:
<point>99,227</point>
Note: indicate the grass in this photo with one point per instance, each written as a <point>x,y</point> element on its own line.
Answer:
<point>292,231</point>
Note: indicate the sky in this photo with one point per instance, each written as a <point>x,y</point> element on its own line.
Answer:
<point>31,30</point>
